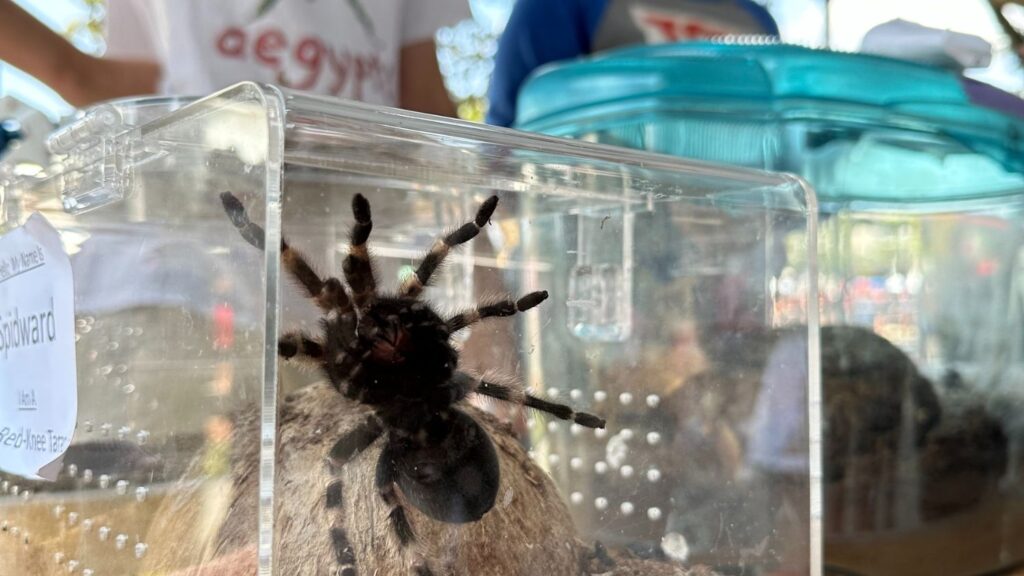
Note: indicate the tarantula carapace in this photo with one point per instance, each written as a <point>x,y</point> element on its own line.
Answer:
<point>394,353</point>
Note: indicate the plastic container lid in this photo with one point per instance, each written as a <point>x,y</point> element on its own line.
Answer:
<point>776,82</point>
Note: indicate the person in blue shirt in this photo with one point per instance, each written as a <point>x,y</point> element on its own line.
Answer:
<point>544,31</point>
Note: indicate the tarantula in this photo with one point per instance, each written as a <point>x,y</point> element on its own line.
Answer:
<point>393,352</point>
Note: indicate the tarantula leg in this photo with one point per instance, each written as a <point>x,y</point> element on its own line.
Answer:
<point>329,294</point>
<point>252,233</point>
<point>354,442</point>
<point>503,308</point>
<point>519,396</point>
<point>332,296</point>
<point>344,554</point>
<point>300,347</point>
<point>346,448</point>
<point>387,487</point>
<point>415,283</point>
<point>357,266</point>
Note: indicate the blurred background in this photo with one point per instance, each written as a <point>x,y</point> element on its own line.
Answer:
<point>466,50</point>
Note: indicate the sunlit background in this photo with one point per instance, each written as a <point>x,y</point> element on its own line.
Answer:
<point>466,50</point>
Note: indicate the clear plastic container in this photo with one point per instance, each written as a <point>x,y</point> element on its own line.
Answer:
<point>199,450</point>
<point>920,179</point>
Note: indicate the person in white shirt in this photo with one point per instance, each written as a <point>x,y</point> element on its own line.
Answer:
<point>376,51</point>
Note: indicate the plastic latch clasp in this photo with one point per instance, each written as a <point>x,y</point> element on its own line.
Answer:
<point>93,172</point>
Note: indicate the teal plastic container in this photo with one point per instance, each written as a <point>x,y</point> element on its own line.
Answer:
<point>919,176</point>
<point>857,127</point>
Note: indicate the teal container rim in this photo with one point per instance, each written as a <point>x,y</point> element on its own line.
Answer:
<point>771,72</point>
<point>769,84</point>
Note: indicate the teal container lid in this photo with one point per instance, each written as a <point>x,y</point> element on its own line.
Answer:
<point>773,83</point>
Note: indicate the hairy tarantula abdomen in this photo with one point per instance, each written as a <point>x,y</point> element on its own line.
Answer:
<point>393,352</point>
<point>452,479</point>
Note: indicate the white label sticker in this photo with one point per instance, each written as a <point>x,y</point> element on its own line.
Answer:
<point>38,389</point>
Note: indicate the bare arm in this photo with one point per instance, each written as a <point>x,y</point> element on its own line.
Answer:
<point>421,87</point>
<point>79,78</point>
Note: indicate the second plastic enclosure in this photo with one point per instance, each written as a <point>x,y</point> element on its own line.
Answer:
<point>920,180</point>
<point>672,312</point>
